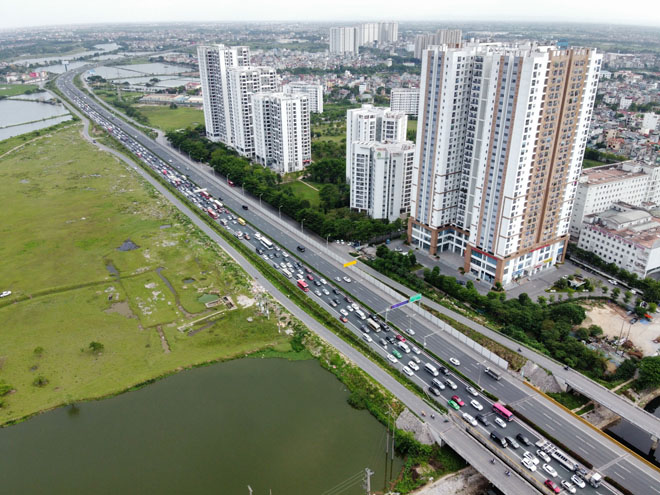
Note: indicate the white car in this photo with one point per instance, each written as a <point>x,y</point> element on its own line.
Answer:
<point>338,279</point>
<point>500,422</point>
<point>324,281</point>
<point>543,455</point>
<point>413,365</point>
<point>5,293</point>
<point>343,312</point>
<point>472,391</point>
<point>407,371</point>
<point>355,306</point>
<point>568,486</point>
<point>325,292</point>
<point>350,308</point>
<point>531,457</point>
<point>529,464</point>
<point>318,292</point>
<point>391,358</point>
<point>416,350</point>
<point>476,404</point>
<point>347,280</point>
<point>410,331</point>
<point>451,384</point>
<point>469,419</point>
<point>367,337</point>
<point>550,470</point>
<point>578,481</point>
<point>454,361</point>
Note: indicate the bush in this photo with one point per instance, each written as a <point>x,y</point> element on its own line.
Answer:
<point>40,381</point>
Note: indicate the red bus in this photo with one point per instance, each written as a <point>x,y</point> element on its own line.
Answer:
<point>212,213</point>
<point>502,411</point>
<point>303,285</point>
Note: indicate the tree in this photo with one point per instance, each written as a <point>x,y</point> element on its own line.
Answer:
<point>96,347</point>
<point>649,372</point>
<point>604,288</point>
<point>595,330</point>
<point>40,381</point>
<point>626,296</point>
<point>615,293</point>
<point>38,351</point>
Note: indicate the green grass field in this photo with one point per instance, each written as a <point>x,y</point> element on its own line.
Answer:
<point>335,131</point>
<point>166,118</point>
<point>303,191</point>
<point>16,89</point>
<point>67,208</point>
<point>586,163</point>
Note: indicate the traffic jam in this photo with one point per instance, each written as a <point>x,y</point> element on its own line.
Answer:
<point>544,461</point>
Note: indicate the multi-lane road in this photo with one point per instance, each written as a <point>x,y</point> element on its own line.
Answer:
<point>602,453</point>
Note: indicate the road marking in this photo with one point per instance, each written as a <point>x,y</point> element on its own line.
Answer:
<point>625,469</point>
<point>551,427</point>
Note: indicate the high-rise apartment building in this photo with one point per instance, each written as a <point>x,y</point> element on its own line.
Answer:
<point>388,32</point>
<point>500,138</point>
<point>368,33</point>
<point>314,93</point>
<point>214,62</point>
<point>244,82</point>
<point>405,100</point>
<point>281,131</point>
<point>381,178</point>
<point>450,37</point>
<point>368,124</point>
<point>343,40</point>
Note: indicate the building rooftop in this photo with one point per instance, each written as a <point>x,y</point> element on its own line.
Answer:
<point>609,173</point>
<point>635,226</point>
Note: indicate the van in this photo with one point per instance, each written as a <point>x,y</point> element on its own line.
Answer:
<point>404,347</point>
<point>431,369</point>
<point>497,438</point>
<point>360,314</point>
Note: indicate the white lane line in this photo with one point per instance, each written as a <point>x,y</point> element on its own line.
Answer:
<point>619,475</point>
<point>551,427</point>
<point>625,469</point>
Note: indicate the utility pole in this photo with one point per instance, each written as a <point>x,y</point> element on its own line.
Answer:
<point>367,480</point>
<point>250,489</point>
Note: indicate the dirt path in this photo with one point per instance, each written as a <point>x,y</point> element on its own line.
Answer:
<point>308,185</point>
<point>174,293</point>
<point>163,340</point>
<point>16,148</point>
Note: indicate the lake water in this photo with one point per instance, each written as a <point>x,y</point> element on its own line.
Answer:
<point>103,47</point>
<point>268,423</point>
<point>15,114</point>
<point>636,438</point>
<point>59,68</point>
<point>138,70</point>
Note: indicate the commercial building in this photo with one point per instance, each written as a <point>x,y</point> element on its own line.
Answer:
<point>650,122</point>
<point>631,182</point>
<point>281,131</point>
<point>501,134</point>
<point>368,124</point>
<point>243,83</point>
<point>625,236</point>
<point>381,178</point>
<point>450,37</point>
<point>314,93</point>
<point>405,100</point>
<point>343,40</point>
<point>214,62</point>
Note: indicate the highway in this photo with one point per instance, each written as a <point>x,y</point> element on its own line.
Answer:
<point>597,449</point>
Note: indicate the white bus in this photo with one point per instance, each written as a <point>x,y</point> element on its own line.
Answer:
<point>266,243</point>
<point>286,272</point>
<point>373,324</point>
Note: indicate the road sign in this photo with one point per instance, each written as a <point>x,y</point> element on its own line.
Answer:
<point>398,305</point>
<point>416,297</point>
<point>350,263</point>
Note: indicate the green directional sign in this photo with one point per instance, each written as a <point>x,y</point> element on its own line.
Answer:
<point>414,298</point>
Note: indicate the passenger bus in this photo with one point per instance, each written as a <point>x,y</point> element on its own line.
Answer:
<point>266,243</point>
<point>303,285</point>
<point>375,326</point>
<point>241,221</point>
<point>502,411</point>
<point>212,213</point>
<point>286,273</point>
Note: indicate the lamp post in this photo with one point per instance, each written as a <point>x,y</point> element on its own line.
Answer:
<point>302,223</point>
<point>227,179</point>
<point>279,210</point>
<point>326,241</point>
<point>260,199</point>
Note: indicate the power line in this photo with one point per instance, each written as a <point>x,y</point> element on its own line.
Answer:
<point>339,487</point>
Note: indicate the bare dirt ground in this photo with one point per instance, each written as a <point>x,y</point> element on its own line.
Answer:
<point>465,482</point>
<point>610,318</point>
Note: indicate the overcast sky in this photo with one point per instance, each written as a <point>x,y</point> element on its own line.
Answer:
<point>25,13</point>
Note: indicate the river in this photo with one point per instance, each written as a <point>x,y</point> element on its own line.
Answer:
<point>267,423</point>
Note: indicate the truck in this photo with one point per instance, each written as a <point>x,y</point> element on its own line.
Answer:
<point>594,478</point>
<point>493,374</point>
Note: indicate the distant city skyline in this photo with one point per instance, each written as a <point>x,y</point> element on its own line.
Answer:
<point>36,13</point>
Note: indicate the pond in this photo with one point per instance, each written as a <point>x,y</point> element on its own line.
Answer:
<point>18,117</point>
<point>271,424</point>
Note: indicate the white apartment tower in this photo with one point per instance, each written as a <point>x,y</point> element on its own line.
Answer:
<point>214,62</point>
<point>314,93</point>
<point>405,100</point>
<point>381,178</point>
<point>343,40</point>
<point>368,124</point>
<point>500,138</point>
<point>244,82</point>
<point>449,37</point>
<point>281,131</point>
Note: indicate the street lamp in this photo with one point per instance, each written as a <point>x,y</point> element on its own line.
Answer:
<point>279,210</point>
<point>302,223</point>
<point>228,179</point>
<point>260,199</point>
<point>326,241</point>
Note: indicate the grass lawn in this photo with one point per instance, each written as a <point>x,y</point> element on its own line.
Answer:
<point>68,207</point>
<point>569,400</point>
<point>166,118</point>
<point>16,89</point>
<point>412,125</point>
<point>586,163</point>
<point>303,191</point>
<point>335,131</point>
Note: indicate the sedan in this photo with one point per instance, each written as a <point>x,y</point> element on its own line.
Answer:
<point>483,420</point>
<point>383,342</point>
<point>469,419</point>
<point>434,391</point>
<point>325,292</point>
<point>396,353</point>
<point>500,422</point>
<point>512,443</point>
<point>333,303</point>
<point>400,338</point>
<point>343,312</point>
<point>476,404</point>
<point>350,308</point>
<point>458,400</point>
<point>310,277</point>
<point>578,481</point>
<point>550,484</point>
<point>531,457</point>
<point>472,391</point>
<point>338,279</point>
<point>335,291</point>
<point>390,339</point>
<point>367,338</point>
<point>391,359</point>
<point>347,280</point>
<point>343,319</point>
<point>407,371</point>
<point>529,464</point>
<point>523,439</point>
<point>543,455</point>
<point>415,350</point>
<point>451,384</point>
<point>453,404</point>
<point>413,365</point>
<point>454,361</point>
<point>568,486</point>
<point>550,470</point>
<point>410,331</point>
<point>318,293</point>
<point>324,281</point>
